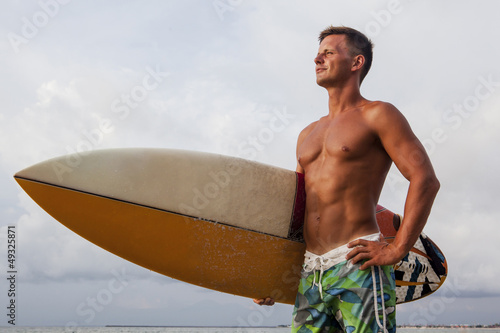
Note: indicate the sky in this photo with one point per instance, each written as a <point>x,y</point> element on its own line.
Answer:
<point>72,78</point>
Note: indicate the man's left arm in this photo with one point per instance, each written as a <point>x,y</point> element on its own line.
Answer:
<point>410,157</point>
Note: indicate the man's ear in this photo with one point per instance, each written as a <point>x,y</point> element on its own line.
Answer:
<point>357,62</point>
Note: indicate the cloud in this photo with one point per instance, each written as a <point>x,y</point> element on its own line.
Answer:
<point>227,79</point>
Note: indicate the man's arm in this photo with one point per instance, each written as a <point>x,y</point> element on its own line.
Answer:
<point>411,159</point>
<point>302,136</point>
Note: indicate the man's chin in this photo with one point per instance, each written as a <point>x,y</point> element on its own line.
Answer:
<point>322,82</point>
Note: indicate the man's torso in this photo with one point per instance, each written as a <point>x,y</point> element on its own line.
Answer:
<point>345,167</point>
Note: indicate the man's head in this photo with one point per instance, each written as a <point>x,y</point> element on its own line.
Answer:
<point>356,42</point>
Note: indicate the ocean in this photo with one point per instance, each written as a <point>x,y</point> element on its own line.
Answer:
<point>122,329</point>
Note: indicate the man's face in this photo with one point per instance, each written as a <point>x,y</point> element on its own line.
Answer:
<point>333,62</point>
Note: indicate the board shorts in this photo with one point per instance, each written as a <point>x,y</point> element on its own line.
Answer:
<point>336,296</point>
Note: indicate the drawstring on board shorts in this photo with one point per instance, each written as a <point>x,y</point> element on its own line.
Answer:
<point>320,263</point>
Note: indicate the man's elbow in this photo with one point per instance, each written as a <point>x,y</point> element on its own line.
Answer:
<point>427,183</point>
<point>432,184</point>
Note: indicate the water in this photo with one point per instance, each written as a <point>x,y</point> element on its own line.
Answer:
<point>214,330</point>
<point>145,330</point>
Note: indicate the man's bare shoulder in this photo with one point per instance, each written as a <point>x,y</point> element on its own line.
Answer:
<point>379,108</point>
<point>378,113</point>
<point>305,132</point>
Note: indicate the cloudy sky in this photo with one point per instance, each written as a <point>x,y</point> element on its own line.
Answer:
<point>222,68</point>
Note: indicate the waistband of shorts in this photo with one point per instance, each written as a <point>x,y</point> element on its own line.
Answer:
<point>313,262</point>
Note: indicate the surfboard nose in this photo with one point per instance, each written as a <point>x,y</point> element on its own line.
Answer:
<point>45,171</point>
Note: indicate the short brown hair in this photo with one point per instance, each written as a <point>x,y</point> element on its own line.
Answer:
<point>357,43</point>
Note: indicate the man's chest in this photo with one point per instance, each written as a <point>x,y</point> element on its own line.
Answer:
<point>339,139</point>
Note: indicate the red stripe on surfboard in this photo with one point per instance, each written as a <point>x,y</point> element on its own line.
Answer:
<point>299,210</point>
<point>380,209</point>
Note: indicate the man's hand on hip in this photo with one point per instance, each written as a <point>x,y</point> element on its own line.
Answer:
<point>375,253</point>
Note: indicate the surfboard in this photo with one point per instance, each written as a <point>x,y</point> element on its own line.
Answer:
<point>219,222</point>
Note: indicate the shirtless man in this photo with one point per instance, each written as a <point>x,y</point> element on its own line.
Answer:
<point>345,157</point>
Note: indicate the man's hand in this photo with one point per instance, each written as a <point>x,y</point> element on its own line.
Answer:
<point>375,253</point>
<point>264,301</point>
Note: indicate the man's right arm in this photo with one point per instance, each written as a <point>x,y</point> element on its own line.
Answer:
<point>302,136</point>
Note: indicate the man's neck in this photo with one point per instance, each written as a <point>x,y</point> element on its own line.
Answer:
<point>343,98</point>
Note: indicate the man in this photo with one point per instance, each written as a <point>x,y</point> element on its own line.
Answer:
<point>347,282</point>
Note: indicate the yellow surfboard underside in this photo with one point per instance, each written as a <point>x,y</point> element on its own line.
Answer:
<point>178,246</point>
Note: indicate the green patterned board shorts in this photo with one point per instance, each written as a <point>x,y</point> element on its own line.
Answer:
<point>341,299</point>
